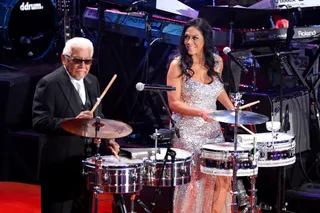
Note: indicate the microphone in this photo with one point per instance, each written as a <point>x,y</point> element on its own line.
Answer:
<point>153,87</point>
<point>228,52</point>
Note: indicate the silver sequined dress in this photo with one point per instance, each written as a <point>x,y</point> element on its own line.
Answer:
<point>197,196</point>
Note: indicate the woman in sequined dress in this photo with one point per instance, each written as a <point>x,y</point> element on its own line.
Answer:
<point>195,72</point>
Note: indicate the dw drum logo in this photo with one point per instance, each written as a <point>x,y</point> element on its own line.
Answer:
<point>26,6</point>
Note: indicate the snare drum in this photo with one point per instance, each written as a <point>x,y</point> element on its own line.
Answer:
<point>216,159</point>
<point>181,168</point>
<point>115,176</point>
<point>280,152</point>
<point>28,27</point>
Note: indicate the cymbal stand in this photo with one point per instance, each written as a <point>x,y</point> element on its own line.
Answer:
<point>253,190</point>
<point>237,102</point>
<point>97,188</point>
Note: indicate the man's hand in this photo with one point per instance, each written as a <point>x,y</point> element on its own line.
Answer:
<point>113,146</point>
<point>85,114</point>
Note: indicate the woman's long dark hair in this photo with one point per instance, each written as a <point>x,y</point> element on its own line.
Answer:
<point>186,60</point>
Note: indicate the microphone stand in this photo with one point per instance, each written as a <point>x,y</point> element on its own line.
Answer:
<point>281,205</point>
<point>171,153</point>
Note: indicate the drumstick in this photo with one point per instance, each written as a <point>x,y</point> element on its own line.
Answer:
<point>115,153</point>
<point>249,104</point>
<point>104,92</point>
<point>246,129</point>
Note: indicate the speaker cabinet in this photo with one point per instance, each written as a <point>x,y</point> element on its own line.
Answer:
<point>295,112</point>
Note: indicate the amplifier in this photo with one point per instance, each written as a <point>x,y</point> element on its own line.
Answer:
<point>295,106</point>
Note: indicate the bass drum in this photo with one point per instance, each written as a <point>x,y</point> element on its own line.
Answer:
<point>28,27</point>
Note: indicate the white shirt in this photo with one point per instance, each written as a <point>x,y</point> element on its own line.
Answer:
<point>79,86</point>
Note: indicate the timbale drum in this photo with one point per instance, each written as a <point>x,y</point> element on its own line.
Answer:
<point>179,170</point>
<point>113,175</point>
<point>217,159</point>
<point>276,149</point>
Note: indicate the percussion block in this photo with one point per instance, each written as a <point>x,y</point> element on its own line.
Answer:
<point>295,112</point>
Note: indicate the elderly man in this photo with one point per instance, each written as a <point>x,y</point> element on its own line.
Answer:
<point>68,92</point>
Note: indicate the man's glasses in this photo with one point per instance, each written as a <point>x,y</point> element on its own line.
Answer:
<point>80,60</point>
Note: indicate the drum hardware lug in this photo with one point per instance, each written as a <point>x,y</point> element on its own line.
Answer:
<point>106,177</point>
<point>97,190</point>
<point>150,167</point>
<point>183,169</point>
<point>167,174</point>
<point>153,171</point>
<point>84,173</point>
<point>263,156</point>
<point>133,176</point>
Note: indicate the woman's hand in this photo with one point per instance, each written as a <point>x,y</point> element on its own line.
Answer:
<point>206,117</point>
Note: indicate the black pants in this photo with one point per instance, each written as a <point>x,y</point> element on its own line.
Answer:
<point>63,188</point>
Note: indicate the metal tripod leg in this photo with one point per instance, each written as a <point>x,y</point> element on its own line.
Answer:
<point>120,204</point>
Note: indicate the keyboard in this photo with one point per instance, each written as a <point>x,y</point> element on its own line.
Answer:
<point>265,37</point>
<point>159,6</point>
<point>133,24</point>
<point>284,4</point>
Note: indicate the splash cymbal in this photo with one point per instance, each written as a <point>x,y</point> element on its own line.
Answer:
<point>87,127</point>
<point>244,117</point>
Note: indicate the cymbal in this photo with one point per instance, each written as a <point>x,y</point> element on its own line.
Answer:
<point>244,117</point>
<point>87,127</point>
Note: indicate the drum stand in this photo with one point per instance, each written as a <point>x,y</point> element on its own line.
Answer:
<point>237,102</point>
<point>251,207</point>
<point>97,188</point>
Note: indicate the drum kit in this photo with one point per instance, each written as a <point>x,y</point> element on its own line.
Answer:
<point>123,175</point>
<point>151,167</point>
<point>244,157</point>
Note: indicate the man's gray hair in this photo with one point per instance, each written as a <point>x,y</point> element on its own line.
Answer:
<point>77,42</point>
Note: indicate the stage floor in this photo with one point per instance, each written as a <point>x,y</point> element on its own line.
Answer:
<point>25,198</point>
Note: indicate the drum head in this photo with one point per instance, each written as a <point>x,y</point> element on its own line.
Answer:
<point>226,146</point>
<point>180,154</point>
<point>112,161</point>
<point>277,137</point>
<point>31,28</point>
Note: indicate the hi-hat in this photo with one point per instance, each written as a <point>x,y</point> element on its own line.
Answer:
<point>244,117</point>
<point>87,127</point>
